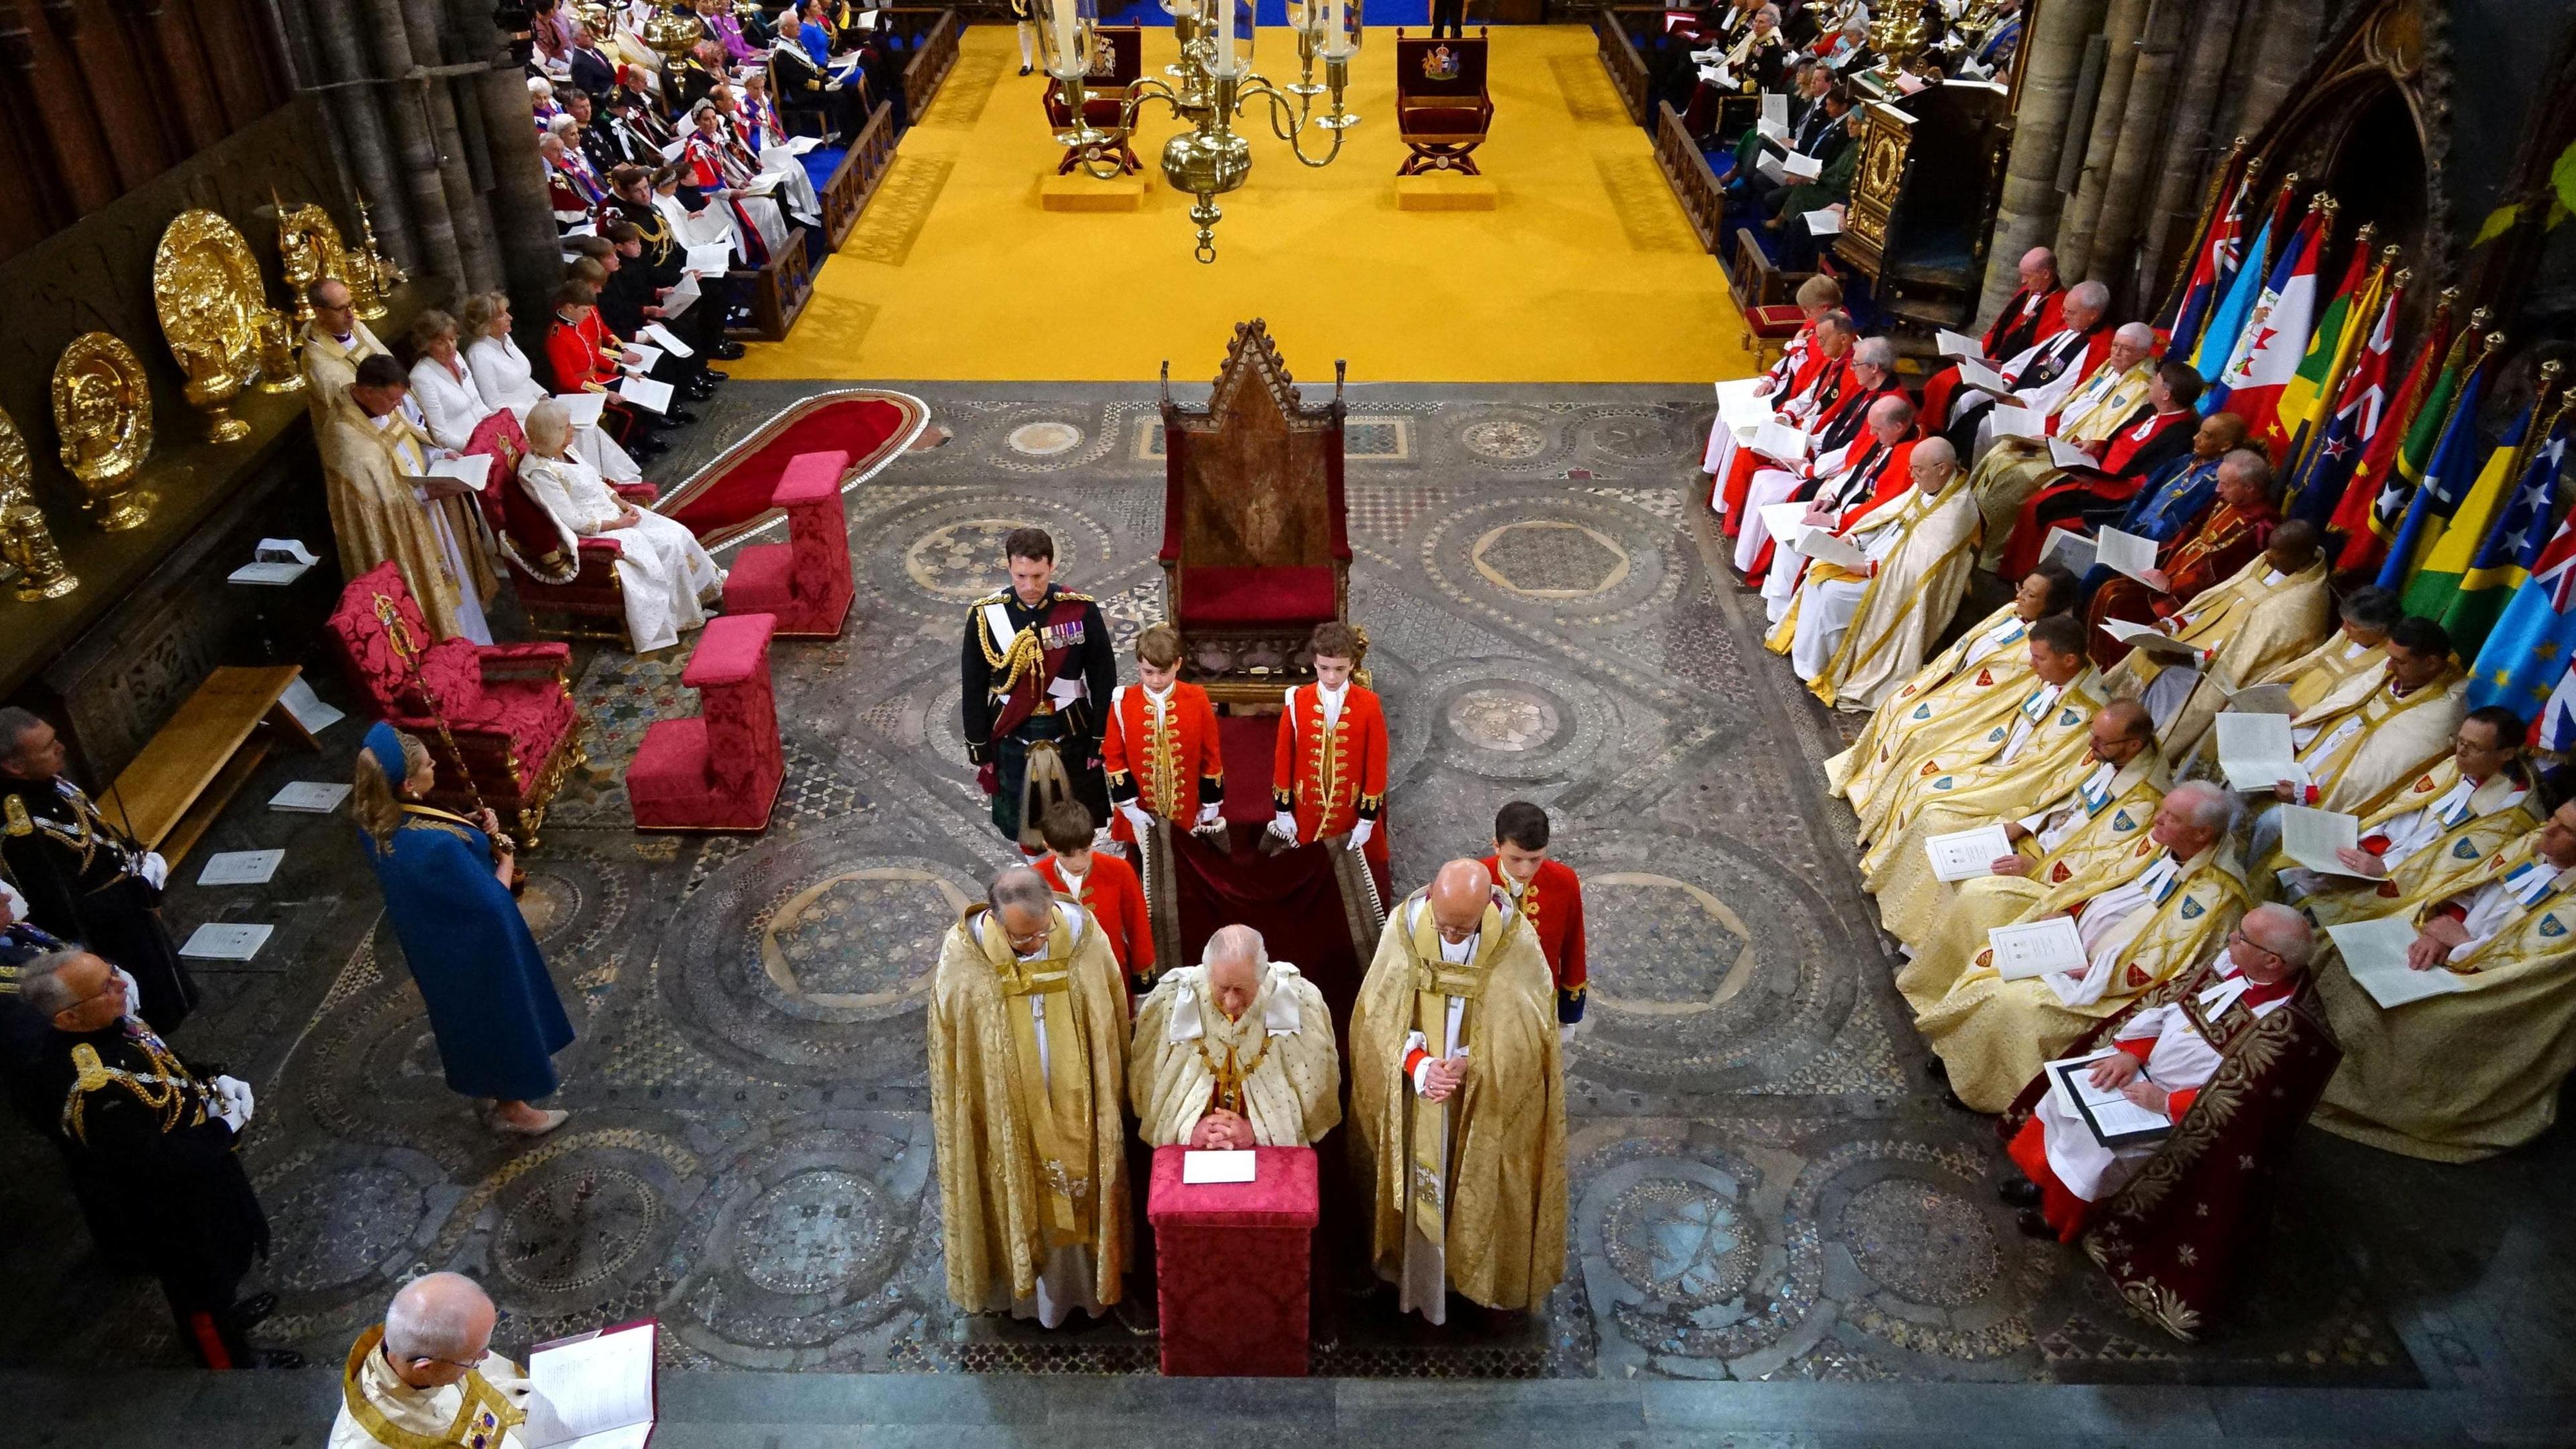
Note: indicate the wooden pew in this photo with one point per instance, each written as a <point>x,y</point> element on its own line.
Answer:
<point>854,183</point>
<point>198,761</point>
<point>778,290</point>
<point>1694,185</point>
<point>1620,58</point>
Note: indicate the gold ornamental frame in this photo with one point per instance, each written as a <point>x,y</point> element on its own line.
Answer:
<point>207,292</point>
<point>103,414</point>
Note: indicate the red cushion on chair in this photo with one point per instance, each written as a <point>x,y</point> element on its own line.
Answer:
<point>1445,120</point>
<point>734,648</point>
<point>1775,320</point>
<point>1256,595</point>
<point>759,578</point>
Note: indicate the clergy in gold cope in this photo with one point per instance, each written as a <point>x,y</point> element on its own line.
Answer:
<point>2350,664</point>
<point>2462,809</point>
<point>2267,613</point>
<point>371,456</point>
<point>427,1377</point>
<point>2356,753</point>
<point>1234,1052</point>
<point>1028,1048</point>
<point>1458,1102</point>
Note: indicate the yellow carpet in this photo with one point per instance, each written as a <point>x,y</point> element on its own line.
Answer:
<point>1586,272</point>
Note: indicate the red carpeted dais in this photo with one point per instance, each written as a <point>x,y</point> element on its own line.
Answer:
<point>730,496</point>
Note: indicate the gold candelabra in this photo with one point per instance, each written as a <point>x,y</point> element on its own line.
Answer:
<point>1213,84</point>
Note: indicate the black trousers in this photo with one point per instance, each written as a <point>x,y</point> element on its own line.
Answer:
<point>1451,14</point>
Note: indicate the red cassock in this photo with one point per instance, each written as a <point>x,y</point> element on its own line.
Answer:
<point>1818,384</point>
<point>2179,1236</point>
<point>2137,450</point>
<point>1116,899</point>
<point>1166,769</point>
<point>2027,318</point>
<point>1552,903</point>
<point>1332,778</point>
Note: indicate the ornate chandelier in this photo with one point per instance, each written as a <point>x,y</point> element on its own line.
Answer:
<point>1213,83</point>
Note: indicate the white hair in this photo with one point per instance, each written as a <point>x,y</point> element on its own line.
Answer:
<point>2207,805</point>
<point>432,1316</point>
<point>549,425</point>
<point>539,87</point>
<point>1236,943</point>
<point>2093,297</point>
<point>41,985</point>
<point>563,125</point>
<point>2282,931</point>
<point>1874,352</point>
<point>2136,334</point>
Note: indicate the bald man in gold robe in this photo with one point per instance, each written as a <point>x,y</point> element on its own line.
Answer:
<point>1458,1102</point>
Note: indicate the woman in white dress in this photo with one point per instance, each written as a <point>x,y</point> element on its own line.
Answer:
<point>496,374</point>
<point>663,570</point>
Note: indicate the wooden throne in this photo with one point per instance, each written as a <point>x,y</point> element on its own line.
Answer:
<point>1256,540</point>
<point>1442,108</point>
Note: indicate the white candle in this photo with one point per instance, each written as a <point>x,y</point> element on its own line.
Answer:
<point>1333,42</point>
<point>1061,13</point>
<point>1225,36</point>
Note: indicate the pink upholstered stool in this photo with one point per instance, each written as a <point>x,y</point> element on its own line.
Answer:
<point>1233,1262</point>
<point>806,580</point>
<point>721,770</point>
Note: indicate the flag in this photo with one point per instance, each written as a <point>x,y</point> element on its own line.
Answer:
<point>2311,388</point>
<point>2275,335</point>
<point>2441,481</point>
<point>2376,498</point>
<point>2361,401</point>
<point>2227,318</point>
<point>2524,664</point>
<point>2210,273</point>
<point>2443,557</point>
<point>2506,555</point>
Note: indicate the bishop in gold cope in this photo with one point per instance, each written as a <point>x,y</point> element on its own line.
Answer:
<point>427,1375</point>
<point>1028,1049</point>
<point>1458,1102</point>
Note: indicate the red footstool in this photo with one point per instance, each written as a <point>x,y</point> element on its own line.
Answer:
<point>1233,1265</point>
<point>721,770</point>
<point>806,580</point>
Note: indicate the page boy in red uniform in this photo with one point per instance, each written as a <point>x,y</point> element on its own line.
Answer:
<point>1160,747</point>
<point>1100,883</point>
<point>1550,898</point>
<point>1329,776</point>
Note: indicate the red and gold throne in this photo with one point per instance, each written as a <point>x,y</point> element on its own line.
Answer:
<point>1256,537</point>
<point>1117,62</point>
<point>1442,109</point>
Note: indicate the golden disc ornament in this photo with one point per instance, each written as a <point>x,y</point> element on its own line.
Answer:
<point>207,291</point>
<point>103,412</point>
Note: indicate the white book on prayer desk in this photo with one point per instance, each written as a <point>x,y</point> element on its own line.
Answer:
<point>2036,948</point>
<point>593,1390</point>
<point>2106,1112</point>
<point>2374,953</point>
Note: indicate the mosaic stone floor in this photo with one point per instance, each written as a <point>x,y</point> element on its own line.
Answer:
<point>1764,1184</point>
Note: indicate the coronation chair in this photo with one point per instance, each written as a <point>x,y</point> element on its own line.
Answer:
<point>1117,63</point>
<point>1442,109</point>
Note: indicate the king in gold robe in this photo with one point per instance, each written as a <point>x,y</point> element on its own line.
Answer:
<point>2267,613</point>
<point>2477,1069</point>
<point>1272,1064</point>
<point>1467,1193</point>
<point>1994,1035</point>
<point>367,465</point>
<point>1027,1075</point>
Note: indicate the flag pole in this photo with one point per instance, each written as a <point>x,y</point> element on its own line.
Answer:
<point>2357,329</point>
<point>2229,171</point>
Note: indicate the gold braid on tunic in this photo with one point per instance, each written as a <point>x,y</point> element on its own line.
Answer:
<point>167,1089</point>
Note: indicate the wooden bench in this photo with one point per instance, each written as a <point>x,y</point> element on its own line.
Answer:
<point>854,181</point>
<point>779,290</point>
<point>198,761</point>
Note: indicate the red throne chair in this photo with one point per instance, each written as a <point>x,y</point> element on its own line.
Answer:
<point>722,769</point>
<point>1256,536</point>
<point>498,718</point>
<point>1117,62</point>
<point>805,581</point>
<point>573,593</point>
<point>1442,109</point>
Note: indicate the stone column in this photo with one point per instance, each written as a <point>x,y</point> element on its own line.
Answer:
<point>331,26</point>
<point>2075,229</point>
<point>2116,260</point>
<point>2284,46</point>
<point>406,111</point>
<point>523,221</point>
<point>2184,153</point>
<point>472,219</point>
<point>2028,214</point>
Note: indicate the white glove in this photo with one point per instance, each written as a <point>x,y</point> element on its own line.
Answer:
<point>1283,825</point>
<point>13,906</point>
<point>235,1094</point>
<point>1360,834</point>
<point>1138,821</point>
<point>1211,816</point>
<point>155,871</point>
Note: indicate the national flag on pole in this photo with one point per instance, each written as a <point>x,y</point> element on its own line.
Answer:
<point>2375,500</point>
<point>2217,346</point>
<point>2441,482</point>
<point>2211,272</point>
<point>2505,556</point>
<point>2275,336</point>
<point>2447,546</point>
<point>2525,663</point>
<point>2361,401</point>
<point>2310,389</point>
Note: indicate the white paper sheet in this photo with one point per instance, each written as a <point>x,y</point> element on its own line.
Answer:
<point>1824,222</point>
<point>2148,637</point>
<point>2124,552</point>
<point>283,550</point>
<point>645,393</point>
<point>2311,837</point>
<point>1741,402</point>
<point>2261,699</point>
<point>1958,344</point>
<point>663,339</point>
<point>1799,166</point>
<point>638,358</point>
<point>584,407</point>
<point>1216,1166</point>
<point>309,797</point>
<point>473,472</point>
<point>711,259</point>
<point>1967,854</point>
<point>2374,953</point>
<point>682,296</point>
<point>1821,545</point>
<point>2066,455</point>
<point>1769,165</point>
<point>1780,442</point>
<point>592,1393</point>
<point>1775,132</point>
<point>2070,548</point>
<point>2110,1114</point>
<point>308,708</point>
<point>240,867</point>
<point>267,573</point>
<point>672,151</point>
<point>1775,112</point>
<point>2254,752</point>
<point>2012,420</point>
<point>2036,948</point>
<point>1784,522</point>
<point>1985,379</point>
<point>214,941</point>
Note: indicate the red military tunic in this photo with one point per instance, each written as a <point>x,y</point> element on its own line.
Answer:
<point>1331,778</point>
<point>1166,768</point>
<point>1116,899</point>
<point>1552,903</point>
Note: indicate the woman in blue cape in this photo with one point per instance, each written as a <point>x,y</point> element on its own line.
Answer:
<point>491,1004</point>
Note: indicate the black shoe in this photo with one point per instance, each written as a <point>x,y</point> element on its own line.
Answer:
<point>698,392</point>
<point>678,418</point>
<point>725,351</point>
<point>2021,1192</point>
<point>277,1358</point>
<point>1938,1070</point>
<point>642,448</point>
<point>253,1309</point>
<point>712,376</point>
<point>1024,70</point>
<point>2032,1225</point>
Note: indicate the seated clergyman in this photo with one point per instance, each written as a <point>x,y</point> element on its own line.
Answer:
<point>1235,1052</point>
<point>2465,807</point>
<point>428,1375</point>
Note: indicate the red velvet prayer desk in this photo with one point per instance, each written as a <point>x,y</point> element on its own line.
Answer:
<point>1234,1265</point>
